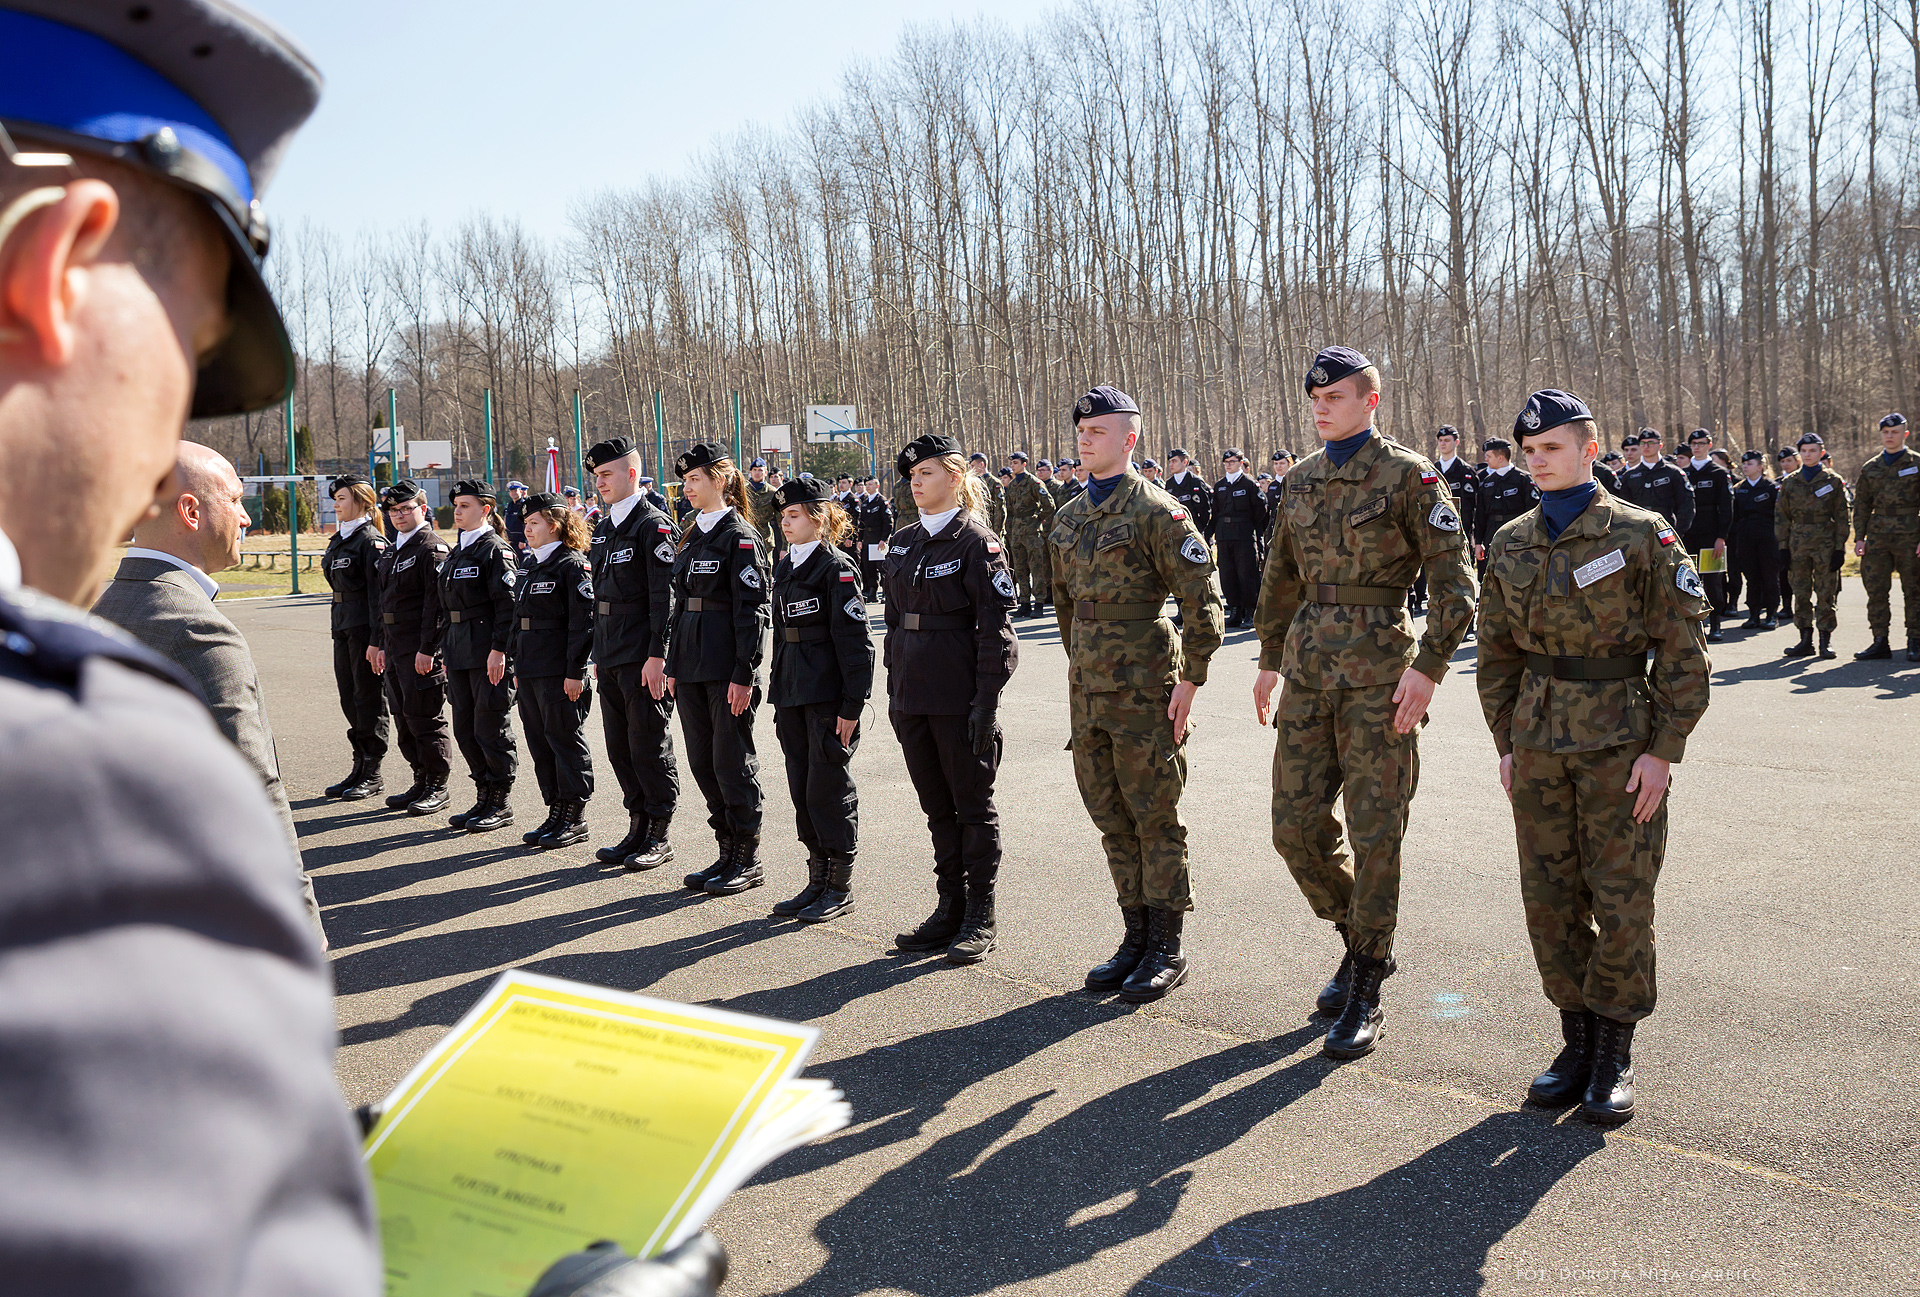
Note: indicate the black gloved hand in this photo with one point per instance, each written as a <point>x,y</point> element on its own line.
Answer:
<point>696,1268</point>
<point>981,727</point>
<point>1838,560</point>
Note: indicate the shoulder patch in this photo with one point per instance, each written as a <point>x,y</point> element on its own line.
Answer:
<point>855,609</point>
<point>746,543</point>
<point>1443,517</point>
<point>1003,582</point>
<point>1666,535</point>
<point>1688,580</point>
<point>1178,515</point>
<point>750,577</point>
<point>1194,550</point>
<point>1428,479</point>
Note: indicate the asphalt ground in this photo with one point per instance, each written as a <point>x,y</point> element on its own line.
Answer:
<point>1015,1135</point>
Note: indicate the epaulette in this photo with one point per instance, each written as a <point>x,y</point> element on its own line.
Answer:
<point>51,641</point>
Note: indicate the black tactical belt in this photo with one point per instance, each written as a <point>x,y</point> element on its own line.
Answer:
<point>922,621</point>
<point>800,634</point>
<point>533,623</point>
<point>393,620</point>
<point>1378,596</point>
<point>455,616</point>
<point>1087,610</point>
<point>619,609</point>
<point>1626,668</point>
<point>707,605</point>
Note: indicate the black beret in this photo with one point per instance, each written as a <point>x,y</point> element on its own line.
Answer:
<point>1181,451</point>
<point>1786,452</point>
<point>1103,400</point>
<point>1332,365</point>
<point>804,490</point>
<point>543,500</point>
<point>1894,420</point>
<point>1231,452</point>
<point>1499,444</point>
<point>1549,408</point>
<point>1753,454</point>
<point>405,491</point>
<point>478,490</point>
<point>1611,457</point>
<point>844,477</point>
<point>976,456</point>
<point>1282,454</point>
<point>1810,439</point>
<point>1020,455</point>
<point>1649,434</point>
<point>1447,430</point>
<point>346,480</point>
<point>1631,439</point>
<point>1699,434</point>
<point>1151,464</point>
<point>931,446</point>
<point>605,452</point>
<point>701,455</point>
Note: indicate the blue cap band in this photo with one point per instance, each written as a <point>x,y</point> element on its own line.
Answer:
<point>73,81</point>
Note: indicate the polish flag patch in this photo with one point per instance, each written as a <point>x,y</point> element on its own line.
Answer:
<point>1666,535</point>
<point>664,528</point>
<point>1179,515</point>
<point>992,548</point>
<point>846,576</point>
<point>746,544</point>
<point>1428,479</point>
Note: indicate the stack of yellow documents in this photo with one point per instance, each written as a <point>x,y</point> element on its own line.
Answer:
<point>556,1113</point>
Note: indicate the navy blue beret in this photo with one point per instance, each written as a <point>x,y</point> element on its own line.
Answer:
<point>1332,365</point>
<point>1631,439</point>
<point>1151,464</point>
<point>701,455</point>
<point>758,463</point>
<point>932,446</point>
<point>1786,452</point>
<point>1548,408</point>
<point>1020,455</point>
<point>1811,439</point>
<point>1103,400</point>
<point>1894,420</point>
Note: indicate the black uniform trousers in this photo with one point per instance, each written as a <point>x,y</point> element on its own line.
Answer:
<point>1716,582</point>
<point>361,699</point>
<point>556,738</point>
<point>639,740</point>
<point>1758,565</point>
<point>419,711</point>
<point>869,574</point>
<point>826,809</point>
<point>721,755</point>
<point>483,724</point>
<point>1239,576</point>
<point>956,792</point>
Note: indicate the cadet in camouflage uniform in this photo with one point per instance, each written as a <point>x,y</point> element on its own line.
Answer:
<point>1810,523</point>
<point>1362,516</point>
<point>1578,590</point>
<point>763,504</point>
<point>1030,508</point>
<point>1119,549</point>
<point>990,490</point>
<point>1886,527</point>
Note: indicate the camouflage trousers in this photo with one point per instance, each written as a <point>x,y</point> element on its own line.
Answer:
<point>1340,743</point>
<point>1586,877</point>
<point>1131,776</point>
<point>1030,564</point>
<point>1812,579</point>
<point>1884,557</point>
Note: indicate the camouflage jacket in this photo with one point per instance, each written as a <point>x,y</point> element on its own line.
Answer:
<point>1136,549</point>
<point>1812,514</point>
<point>1886,497</point>
<point>1375,521</point>
<point>763,509</point>
<point>1030,507</point>
<point>1615,584</point>
<point>996,497</point>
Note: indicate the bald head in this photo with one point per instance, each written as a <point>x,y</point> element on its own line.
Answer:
<point>201,518</point>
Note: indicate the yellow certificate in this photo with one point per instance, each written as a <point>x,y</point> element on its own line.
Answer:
<point>555,1114</point>
<point>1711,562</point>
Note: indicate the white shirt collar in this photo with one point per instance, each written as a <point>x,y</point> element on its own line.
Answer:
<point>1502,470</point>
<point>351,525</point>
<point>201,579</point>
<point>935,523</point>
<point>619,509</point>
<point>1234,476</point>
<point>708,520</point>
<point>1702,463</point>
<point>1446,464</point>
<point>798,554</point>
<point>468,537</point>
<point>545,552</point>
<point>402,537</point>
<point>9,566</point>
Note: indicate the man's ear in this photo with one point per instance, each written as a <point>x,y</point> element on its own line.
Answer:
<point>44,264</point>
<point>187,506</point>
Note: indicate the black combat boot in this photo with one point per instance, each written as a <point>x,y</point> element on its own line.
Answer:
<point>816,884</point>
<point>498,813</point>
<point>836,898</point>
<point>743,869</point>
<point>1878,651</point>
<point>401,801</point>
<point>975,938</point>
<point>1357,1030</point>
<point>1826,645</point>
<point>432,799</point>
<point>1108,976</point>
<point>353,777</point>
<point>1913,649</point>
<point>1804,649</point>
<point>570,828</point>
<point>1024,610</point>
<point>482,803</point>
<point>1609,1096</point>
<point>654,849</point>
<point>1162,966</point>
<point>532,836</point>
<point>1754,621</point>
<point>1713,629</point>
<point>1565,1079</point>
<point>940,927</point>
<point>1768,621</point>
<point>1333,996</point>
<point>697,880</point>
<point>368,784</point>
<point>619,851</point>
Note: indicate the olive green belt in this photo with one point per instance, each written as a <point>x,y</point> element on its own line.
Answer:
<point>1379,596</point>
<point>1087,610</point>
<point>1626,668</point>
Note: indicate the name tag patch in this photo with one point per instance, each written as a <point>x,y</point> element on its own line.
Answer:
<point>803,608</point>
<point>542,587</point>
<point>465,573</point>
<point>943,569</point>
<point>1367,512</point>
<point>898,549</point>
<point>622,556</point>
<point>405,563</point>
<point>1606,565</point>
<point>1908,472</point>
<point>1825,490</point>
<point>705,566</point>
<point>339,563</point>
<point>1113,536</point>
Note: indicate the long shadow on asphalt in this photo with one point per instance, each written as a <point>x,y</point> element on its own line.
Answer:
<point>1426,1227</point>
<point>1886,679</point>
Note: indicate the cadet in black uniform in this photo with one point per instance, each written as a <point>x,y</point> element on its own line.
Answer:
<point>713,661</point>
<point>551,641</point>
<point>513,516</point>
<point>822,675</point>
<point>873,517</point>
<point>1751,547</point>
<point>476,602</point>
<point>1712,488</point>
<point>1239,522</point>
<point>632,555</point>
<point>407,647</point>
<point>1503,493</point>
<point>349,568</point>
<point>1606,471</point>
<point>1280,461</point>
<point>949,651</point>
<point>1658,485</point>
<point>1184,485</point>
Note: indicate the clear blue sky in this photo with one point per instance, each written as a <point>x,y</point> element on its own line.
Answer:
<point>438,108</point>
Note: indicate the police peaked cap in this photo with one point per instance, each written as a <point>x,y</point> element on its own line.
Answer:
<point>543,500</point>
<point>516,486</point>
<point>757,462</point>
<point>568,490</point>
<point>606,452</point>
<point>1548,408</point>
<point>1332,365</point>
<point>1810,439</point>
<point>702,455</point>
<point>405,491</point>
<point>346,480</point>
<point>803,490</point>
<point>1103,399</point>
<point>932,446</point>
<point>478,490</point>
<point>1894,420</point>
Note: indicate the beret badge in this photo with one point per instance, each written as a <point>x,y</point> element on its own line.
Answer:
<point>1318,375</point>
<point>1531,417</point>
<point>1086,405</point>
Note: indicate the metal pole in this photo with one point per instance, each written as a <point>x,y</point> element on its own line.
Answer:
<point>393,437</point>
<point>293,499</point>
<point>486,404</point>
<point>579,463</point>
<point>736,427</point>
<point>659,440</point>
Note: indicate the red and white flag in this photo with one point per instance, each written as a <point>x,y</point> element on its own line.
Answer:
<point>553,467</point>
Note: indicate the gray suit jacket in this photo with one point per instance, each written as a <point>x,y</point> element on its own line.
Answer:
<point>165,609</point>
